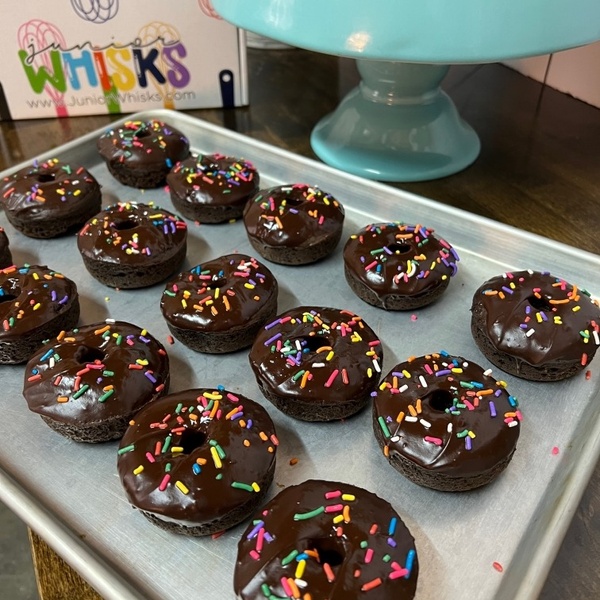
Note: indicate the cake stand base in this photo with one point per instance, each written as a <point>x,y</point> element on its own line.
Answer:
<point>397,125</point>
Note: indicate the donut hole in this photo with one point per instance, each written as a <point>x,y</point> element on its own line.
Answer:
<point>539,303</point>
<point>400,248</point>
<point>141,133</point>
<point>124,224</point>
<point>7,297</point>
<point>311,343</point>
<point>292,201</point>
<point>86,354</point>
<point>440,400</point>
<point>218,282</point>
<point>46,177</point>
<point>191,439</point>
<point>330,550</point>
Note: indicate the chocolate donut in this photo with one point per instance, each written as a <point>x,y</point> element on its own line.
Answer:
<point>141,153</point>
<point>445,423</point>
<point>50,198</point>
<point>293,224</point>
<point>212,188</point>
<point>317,364</point>
<point>6,259</point>
<point>198,461</point>
<point>131,245</point>
<point>36,303</point>
<point>397,266</point>
<point>88,383</point>
<point>323,539</point>
<point>220,305</point>
<point>535,326</point>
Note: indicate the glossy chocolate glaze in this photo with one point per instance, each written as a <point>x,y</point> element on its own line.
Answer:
<point>48,190</point>
<point>5,254</point>
<point>322,355</point>
<point>399,259</point>
<point>213,179</point>
<point>30,297</point>
<point>94,372</point>
<point>293,216</point>
<point>446,415</point>
<point>538,318</point>
<point>144,144</point>
<point>201,451</point>
<point>218,295</point>
<point>369,550</point>
<point>132,234</point>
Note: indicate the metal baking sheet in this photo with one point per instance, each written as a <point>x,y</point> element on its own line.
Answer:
<point>71,495</point>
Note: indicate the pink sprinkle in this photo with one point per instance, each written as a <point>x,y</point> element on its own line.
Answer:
<point>369,556</point>
<point>498,567</point>
<point>286,587</point>
<point>434,440</point>
<point>260,539</point>
<point>398,573</point>
<point>254,554</point>
<point>150,457</point>
<point>330,495</point>
<point>331,378</point>
<point>413,317</point>
<point>334,508</point>
<point>371,265</point>
<point>163,484</point>
<point>555,450</point>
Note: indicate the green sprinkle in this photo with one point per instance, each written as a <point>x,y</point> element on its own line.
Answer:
<point>81,391</point>
<point>298,375</point>
<point>242,486</point>
<point>126,449</point>
<point>364,544</point>
<point>384,427</point>
<point>219,476</point>
<point>167,443</point>
<point>106,396</point>
<point>168,467</point>
<point>108,373</point>
<point>309,515</point>
<point>462,434</point>
<point>179,407</point>
<point>289,558</point>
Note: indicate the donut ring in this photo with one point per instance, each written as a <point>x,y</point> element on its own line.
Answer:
<point>141,153</point>
<point>221,305</point>
<point>131,245</point>
<point>397,266</point>
<point>535,325</point>
<point>317,364</point>
<point>199,461</point>
<point>6,259</point>
<point>47,199</point>
<point>88,383</point>
<point>293,224</point>
<point>36,303</point>
<point>212,188</point>
<point>330,540</point>
<point>445,423</point>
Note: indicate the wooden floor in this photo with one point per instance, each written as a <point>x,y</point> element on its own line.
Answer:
<point>539,170</point>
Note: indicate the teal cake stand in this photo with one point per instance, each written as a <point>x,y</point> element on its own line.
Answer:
<point>398,125</point>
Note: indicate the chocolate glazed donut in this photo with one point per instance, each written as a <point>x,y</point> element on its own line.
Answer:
<point>445,423</point>
<point>535,325</point>
<point>87,383</point>
<point>324,539</point>
<point>397,266</point>
<point>141,153</point>
<point>317,364</point>
<point>199,461</point>
<point>221,305</point>
<point>47,199</point>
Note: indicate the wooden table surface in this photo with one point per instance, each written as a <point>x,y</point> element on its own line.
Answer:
<point>539,170</point>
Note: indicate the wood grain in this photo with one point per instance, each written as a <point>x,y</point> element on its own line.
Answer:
<point>539,170</point>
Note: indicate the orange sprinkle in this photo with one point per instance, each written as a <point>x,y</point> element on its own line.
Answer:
<point>293,461</point>
<point>371,584</point>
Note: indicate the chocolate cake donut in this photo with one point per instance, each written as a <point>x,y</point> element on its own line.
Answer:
<point>323,539</point>
<point>445,423</point>
<point>212,188</point>
<point>294,224</point>
<point>317,364</point>
<point>199,461</point>
<point>141,153</point>
<point>50,198</point>
<point>220,305</point>
<point>36,303</point>
<point>88,383</point>
<point>396,266</point>
<point>6,259</point>
<point>131,245</point>
<point>535,326</point>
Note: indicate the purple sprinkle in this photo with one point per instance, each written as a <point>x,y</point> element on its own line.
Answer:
<point>492,409</point>
<point>523,325</point>
<point>443,372</point>
<point>268,537</point>
<point>144,339</point>
<point>467,443</point>
<point>249,423</point>
<point>272,339</point>
<point>64,300</point>
<point>391,542</point>
<point>255,530</point>
<point>237,415</point>
<point>498,393</point>
<point>150,376</point>
<point>271,325</point>
<point>53,295</point>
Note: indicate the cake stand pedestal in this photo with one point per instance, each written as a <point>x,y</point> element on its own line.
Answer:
<point>397,125</point>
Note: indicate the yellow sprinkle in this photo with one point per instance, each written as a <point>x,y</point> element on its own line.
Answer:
<point>138,470</point>
<point>182,487</point>
<point>215,457</point>
<point>36,306</point>
<point>176,449</point>
<point>330,355</point>
<point>348,498</point>
<point>406,374</point>
<point>471,434</point>
<point>255,486</point>
<point>300,569</point>
<point>576,308</point>
<point>338,519</point>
